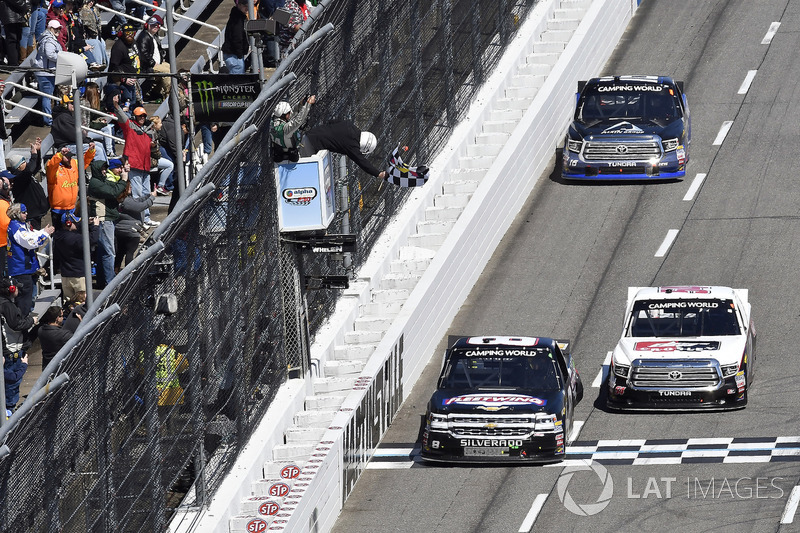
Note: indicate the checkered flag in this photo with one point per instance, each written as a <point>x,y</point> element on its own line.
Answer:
<point>403,175</point>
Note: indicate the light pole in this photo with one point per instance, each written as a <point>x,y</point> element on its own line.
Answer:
<point>71,69</point>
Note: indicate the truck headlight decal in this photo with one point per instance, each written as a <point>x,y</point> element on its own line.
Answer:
<point>574,146</point>
<point>670,144</point>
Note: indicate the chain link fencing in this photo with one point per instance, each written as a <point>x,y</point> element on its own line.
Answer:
<point>158,406</point>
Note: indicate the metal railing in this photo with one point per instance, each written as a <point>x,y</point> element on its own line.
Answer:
<point>179,34</point>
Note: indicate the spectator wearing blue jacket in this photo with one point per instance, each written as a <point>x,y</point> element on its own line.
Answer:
<point>23,241</point>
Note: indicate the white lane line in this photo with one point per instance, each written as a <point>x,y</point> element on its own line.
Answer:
<point>791,506</point>
<point>372,465</point>
<point>698,180</point>
<point>747,81</point>
<point>601,376</point>
<point>664,248</point>
<point>773,29</point>
<point>577,426</point>
<point>395,452</point>
<point>723,131</point>
<point>530,518</point>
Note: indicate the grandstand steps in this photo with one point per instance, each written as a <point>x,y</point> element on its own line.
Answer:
<point>409,266</point>
<point>294,451</point>
<point>513,103</point>
<point>483,150</point>
<point>557,36</point>
<point>390,295</point>
<point>448,187</point>
<point>442,213</point>
<point>474,163</point>
<point>541,58</point>
<point>467,174</point>
<point>570,12</point>
<point>380,308</point>
<point>533,67</point>
<point>529,80</point>
<point>506,114</point>
<point>317,418</point>
<point>362,337</point>
<point>526,92</point>
<point>499,126</point>
<point>300,435</point>
<point>332,401</point>
<point>563,24</point>
<point>432,241</point>
<point>272,469</point>
<point>452,200</point>
<point>492,137</point>
<point>325,386</point>
<point>549,46</point>
<point>375,324</point>
<point>343,368</point>
<point>349,352</point>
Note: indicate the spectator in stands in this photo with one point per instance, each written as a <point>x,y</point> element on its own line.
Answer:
<point>285,129</point>
<point>342,137</point>
<point>128,235</point>
<point>68,251</point>
<point>23,265</point>
<point>51,335</point>
<point>14,17</point>
<point>296,20</point>
<point>14,369</point>
<point>91,97</point>
<point>26,188</point>
<point>125,60</point>
<point>36,27</point>
<point>154,59</point>
<point>47,54</point>
<point>3,132</point>
<point>63,129</point>
<point>75,309</point>
<point>106,186</point>
<point>57,12</point>
<point>236,46</point>
<point>164,164</point>
<point>171,148</point>
<point>62,181</point>
<point>5,202</point>
<point>137,150</point>
<point>93,31</point>
<point>77,41</point>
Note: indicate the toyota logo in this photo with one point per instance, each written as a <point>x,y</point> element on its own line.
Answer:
<point>622,149</point>
<point>674,375</point>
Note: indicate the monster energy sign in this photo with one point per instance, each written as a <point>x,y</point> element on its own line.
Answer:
<point>222,97</point>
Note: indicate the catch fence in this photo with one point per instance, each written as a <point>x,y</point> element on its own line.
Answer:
<point>108,452</point>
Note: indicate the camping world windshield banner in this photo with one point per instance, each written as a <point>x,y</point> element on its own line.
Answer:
<point>222,97</point>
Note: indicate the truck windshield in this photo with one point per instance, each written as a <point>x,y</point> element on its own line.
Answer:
<point>537,371</point>
<point>683,318</point>
<point>603,106</point>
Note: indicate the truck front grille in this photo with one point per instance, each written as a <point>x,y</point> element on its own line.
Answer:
<point>621,151</point>
<point>675,374</point>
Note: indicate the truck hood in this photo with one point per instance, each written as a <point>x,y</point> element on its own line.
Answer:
<point>506,401</point>
<point>623,128</point>
<point>727,350</point>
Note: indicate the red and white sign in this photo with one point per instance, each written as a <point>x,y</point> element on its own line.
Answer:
<point>269,508</point>
<point>278,490</point>
<point>290,472</point>
<point>256,526</point>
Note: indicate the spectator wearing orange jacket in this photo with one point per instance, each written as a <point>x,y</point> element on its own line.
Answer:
<point>5,202</point>
<point>62,181</point>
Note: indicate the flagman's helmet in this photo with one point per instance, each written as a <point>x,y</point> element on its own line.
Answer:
<point>368,142</point>
<point>281,109</point>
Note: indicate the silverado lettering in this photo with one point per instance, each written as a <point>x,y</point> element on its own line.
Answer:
<point>506,443</point>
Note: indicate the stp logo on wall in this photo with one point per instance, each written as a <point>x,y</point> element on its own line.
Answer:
<point>290,472</point>
<point>269,508</point>
<point>256,526</point>
<point>279,490</point>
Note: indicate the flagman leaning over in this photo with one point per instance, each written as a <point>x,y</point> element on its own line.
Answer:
<point>343,138</point>
<point>285,129</point>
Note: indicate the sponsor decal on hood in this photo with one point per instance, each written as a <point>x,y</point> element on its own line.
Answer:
<point>623,127</point>
<point>494,401</point>
<point>676,346</point>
